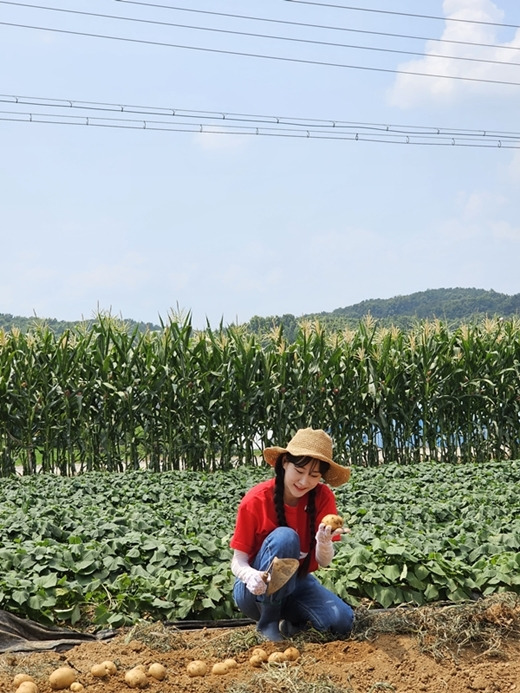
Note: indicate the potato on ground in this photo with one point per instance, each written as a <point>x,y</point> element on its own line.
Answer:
<point>157,671</point>
<point>62,678</point>
<point>259,652</point>
<point>21,678</point>
<point>197,668</point>
<point>136,678</point>
<point>292,654</point>
<point>277,658</point>
<point>106,668</point>
<point>27,687</point>
<point>220,668</point>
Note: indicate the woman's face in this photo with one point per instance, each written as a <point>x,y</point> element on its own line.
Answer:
<point>300,480</point>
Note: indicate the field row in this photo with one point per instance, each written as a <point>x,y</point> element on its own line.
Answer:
<point>110,548</point>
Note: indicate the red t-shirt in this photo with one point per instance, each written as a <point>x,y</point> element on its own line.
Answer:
<point>256,518</point>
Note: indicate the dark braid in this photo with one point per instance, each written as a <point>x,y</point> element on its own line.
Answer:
<point>278,493</point>
<point>311,511</point>
<point>311,502</point>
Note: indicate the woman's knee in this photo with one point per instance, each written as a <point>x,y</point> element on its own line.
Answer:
<point>286,541</point>
<point>340,619</point>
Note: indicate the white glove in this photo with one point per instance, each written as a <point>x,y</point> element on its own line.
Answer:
<point>324,547</point>
<point>252,578</point>
<point>324,534</point>
<point>255,582</point>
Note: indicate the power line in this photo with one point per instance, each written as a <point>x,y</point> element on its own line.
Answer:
<point>111,115</point>
<point>383,138</point>
<point>405,14</point>
<point>318,26</point>
<point>263,36</point>
<point>302,61</point>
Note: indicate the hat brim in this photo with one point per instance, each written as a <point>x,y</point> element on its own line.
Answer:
<point>334,476</point>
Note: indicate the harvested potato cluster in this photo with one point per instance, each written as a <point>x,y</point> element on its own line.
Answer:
<point>200,668</point>
<point>260,656</point>
<point>66,677</point>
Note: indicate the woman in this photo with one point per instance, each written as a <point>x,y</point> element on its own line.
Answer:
<point>281,518</point>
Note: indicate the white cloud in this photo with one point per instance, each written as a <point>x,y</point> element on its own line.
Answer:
<point>505,231</point>
<point>127,272</point>
<point>410,91</point>
<point>211,139</point>
<point>514,168</point>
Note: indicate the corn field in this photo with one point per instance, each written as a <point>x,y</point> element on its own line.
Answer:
<point>107,399</point>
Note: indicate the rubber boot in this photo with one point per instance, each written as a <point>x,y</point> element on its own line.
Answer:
<point>268,622</point>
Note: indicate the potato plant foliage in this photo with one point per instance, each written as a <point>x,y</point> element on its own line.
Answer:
<point>111,548</point>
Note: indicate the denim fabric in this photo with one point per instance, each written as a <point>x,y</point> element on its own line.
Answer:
<point>302,600</point>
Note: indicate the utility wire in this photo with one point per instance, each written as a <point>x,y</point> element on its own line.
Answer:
<point>263,36</point>
<point>386,138</point>
<point>241,123</point>
<point>301,61</point>
<point>405,14</point>
<point>318,26</point>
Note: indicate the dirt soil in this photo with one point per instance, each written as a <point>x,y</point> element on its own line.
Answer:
<point>389,662</point>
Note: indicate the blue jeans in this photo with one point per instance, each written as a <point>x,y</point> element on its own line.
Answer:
<point>302,600</point>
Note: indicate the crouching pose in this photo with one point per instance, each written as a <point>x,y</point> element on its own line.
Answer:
<point>281,518</point>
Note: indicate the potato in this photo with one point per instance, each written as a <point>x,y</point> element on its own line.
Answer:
<point>292,654</point>
<point>157,671</point>
<point>259,652</point>
<point>220,668</point>
<point>20,678</point>
<point>256,660</point>
<point>136,678</point>
<point>231,663</point>
<point>334,521</point>
<point>109,666</point>
<point>99,671</point>
<point>197,668</point>
<point>62,678</point>
<point>277,657</point>
<point>27,687</point>
<point>77,687</point>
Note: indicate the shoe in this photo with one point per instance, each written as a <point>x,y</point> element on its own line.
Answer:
<point>289,630</point>
<point>267,625</point>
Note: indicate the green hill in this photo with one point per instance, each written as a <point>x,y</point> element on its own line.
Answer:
<point>454,306</point>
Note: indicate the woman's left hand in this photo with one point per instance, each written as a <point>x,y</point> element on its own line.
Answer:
<point>325,533</point>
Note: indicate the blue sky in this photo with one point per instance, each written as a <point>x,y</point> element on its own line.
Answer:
<point>145,222</point>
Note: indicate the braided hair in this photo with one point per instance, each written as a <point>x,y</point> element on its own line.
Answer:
<point>279,468</point>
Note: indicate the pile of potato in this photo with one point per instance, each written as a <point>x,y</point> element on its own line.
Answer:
<point>139,676</point>
<point>66,677</point>
<point>258,657</point>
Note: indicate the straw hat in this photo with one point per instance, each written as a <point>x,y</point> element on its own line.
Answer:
<point>313,443</point>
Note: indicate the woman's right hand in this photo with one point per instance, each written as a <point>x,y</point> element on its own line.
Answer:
<point>255,582</point>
